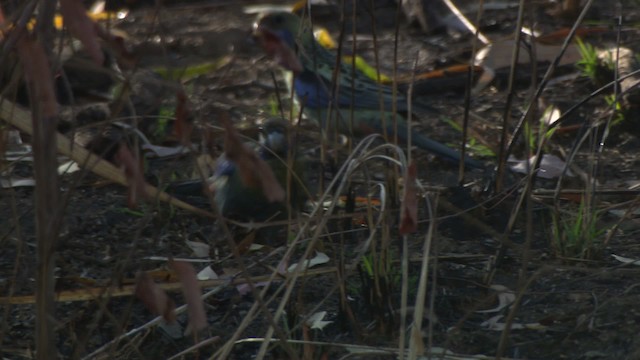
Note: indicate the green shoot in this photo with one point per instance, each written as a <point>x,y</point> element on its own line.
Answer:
<point>473,144</point>
<point>592,65</point>
<point>576,235</point>
<point>618,117</point>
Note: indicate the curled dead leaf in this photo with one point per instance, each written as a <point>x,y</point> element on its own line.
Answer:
<point>184,126</point>
<point>133,173</point>
<point>38,75</point>
<point>254,172</point>
<point>192,294</point>
<point>82,27</point>
<point>154,298</point>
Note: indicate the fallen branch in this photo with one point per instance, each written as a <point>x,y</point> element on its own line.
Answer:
<point>19,117</point>
<point>96,293</point>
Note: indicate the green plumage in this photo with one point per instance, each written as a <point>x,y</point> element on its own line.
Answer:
<point>350,101</point>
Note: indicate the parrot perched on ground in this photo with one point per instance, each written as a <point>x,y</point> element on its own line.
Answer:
<point>239,196</point>
<point>290,41</point>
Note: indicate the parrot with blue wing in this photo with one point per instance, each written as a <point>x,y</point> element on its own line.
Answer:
<point>347,101</point>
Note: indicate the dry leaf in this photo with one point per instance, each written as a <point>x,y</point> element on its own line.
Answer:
<point>551,115</point>
<point>494,324</point>
<point>207,274</point>
<point>319,259</point>
<point>3,29</point>
<point>82,27</point>
<point>244,158</point>
<point>409,212</point>
<point>15,182</point>
<point>558,37</point>
<point>154,298</point>
<point>626,260</point>
<point>192,294</point>
<point>183,124</point>
<point>200,249</point>
<point>308,348</point>
<point>498,54</point>
<point>316,321</point>
<point>12,148</point>
<point>254,172</point>
<point>245,244</point>
<point>133,173</point>
<point>38,74</point>
<point>506,297</point>
<point>551,166</point>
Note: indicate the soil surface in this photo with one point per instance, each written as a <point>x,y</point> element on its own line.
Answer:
<point>565,308</point>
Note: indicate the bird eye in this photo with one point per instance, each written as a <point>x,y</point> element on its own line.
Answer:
<point>279,19</point>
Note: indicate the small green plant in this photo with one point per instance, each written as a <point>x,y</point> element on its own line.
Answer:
<point>165,114</point>
<point>130,212</point>
<point>618,117</point>
<point>186,73</point>
<point>539,136</point>
<point>380,280</point>
<point>383,262</point>
<point>474,145</point>
<point>576,236</point>
<point>588,64</point>
<point>274,105</point>
<point>530,135</point>
<point>592,65</point>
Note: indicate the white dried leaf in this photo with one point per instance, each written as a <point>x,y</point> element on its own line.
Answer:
<point>207,274</point>
<point>506,297</point>
<point>320,258</point>
<point>551,166</point>
<point>316,321</point>
<point>199,249</point>
<point>14,182</point>
<point>626,260</point>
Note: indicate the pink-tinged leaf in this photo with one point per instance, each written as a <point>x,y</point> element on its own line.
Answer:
<point>82,27</point>
<point>254,172</point>
<point>184,125</point>
<point>154,298</point>
<point>235,150</point>
<point>2,25</point>
<point>409,212</point>
<point>38,75</point>
<point>192,294</point>
<point>133,173</point>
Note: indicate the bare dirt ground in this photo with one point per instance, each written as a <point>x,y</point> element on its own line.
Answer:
<point>566,308</point>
